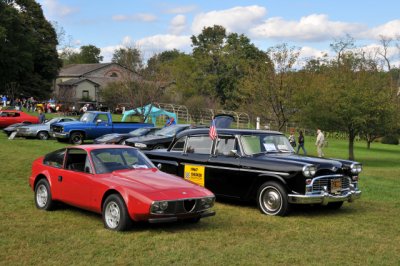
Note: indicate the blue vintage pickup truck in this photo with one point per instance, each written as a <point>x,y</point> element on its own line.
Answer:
<point>91,125</point>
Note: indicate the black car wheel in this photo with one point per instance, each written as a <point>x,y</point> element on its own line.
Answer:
<point>115,214</point>
<point>335,205</point>
<point>76,138</point>
<point>43,135</point>
<point>272,199</point>
<point>43,198</point>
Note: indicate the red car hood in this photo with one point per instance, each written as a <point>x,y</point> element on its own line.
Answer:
<point>159,185</point>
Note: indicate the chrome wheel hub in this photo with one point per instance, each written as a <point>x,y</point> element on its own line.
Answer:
<point>112,215</point>
<point>272,200</point>
<point>41,196</point>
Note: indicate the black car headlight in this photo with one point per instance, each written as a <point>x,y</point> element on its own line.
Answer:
<point>207,202</point>
<point>140,145</point>
<point>355,168</point>
<point>159,206</point>
<point>309,170</point>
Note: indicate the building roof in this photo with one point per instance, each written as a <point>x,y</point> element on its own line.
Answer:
<point>78,70</point>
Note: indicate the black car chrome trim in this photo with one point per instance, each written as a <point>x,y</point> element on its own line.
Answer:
<point>236,169</point>
<point>174,163</point>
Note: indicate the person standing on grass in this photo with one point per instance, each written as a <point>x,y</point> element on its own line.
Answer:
<point>301,143</point>
<point>292,139</point>
<point>4,99</point>
<point>41,116</point>
<point>170,121</point>
<point>320,143</point>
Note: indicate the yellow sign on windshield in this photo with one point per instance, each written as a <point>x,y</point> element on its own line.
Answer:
<point>195,174</point>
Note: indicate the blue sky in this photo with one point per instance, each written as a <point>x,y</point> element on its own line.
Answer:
<point>155,26</point>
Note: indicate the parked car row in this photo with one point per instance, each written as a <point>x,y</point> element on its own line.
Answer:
<point>180,179</point>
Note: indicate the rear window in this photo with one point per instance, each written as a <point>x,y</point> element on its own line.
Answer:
<point>55,158</point>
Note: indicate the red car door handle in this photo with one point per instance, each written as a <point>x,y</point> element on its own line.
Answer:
<point>60,178</point>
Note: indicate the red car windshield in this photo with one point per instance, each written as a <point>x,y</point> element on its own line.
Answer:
<point>109,160</point>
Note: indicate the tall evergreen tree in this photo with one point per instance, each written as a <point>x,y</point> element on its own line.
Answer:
<point>28,57</point>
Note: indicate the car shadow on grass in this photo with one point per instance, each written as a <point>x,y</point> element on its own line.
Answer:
<point>298,210</point>
<point>172,227</point>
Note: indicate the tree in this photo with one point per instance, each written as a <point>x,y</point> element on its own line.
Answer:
<point>221,60</point>
<point>137,89</point>
<point>128,57</point>
<point>28,55</point>
<point>88,54</point>
<point>352,98</point>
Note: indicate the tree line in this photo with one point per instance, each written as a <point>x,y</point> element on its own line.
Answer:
<point>351,92</point>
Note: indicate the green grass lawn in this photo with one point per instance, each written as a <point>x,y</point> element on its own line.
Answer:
<point>366,232</point>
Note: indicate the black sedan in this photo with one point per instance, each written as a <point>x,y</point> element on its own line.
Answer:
<point>160,140</point>
<point>116,138</point>
<point>261,166</point>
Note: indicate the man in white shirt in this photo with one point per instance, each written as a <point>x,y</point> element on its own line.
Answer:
<point>320,143</point>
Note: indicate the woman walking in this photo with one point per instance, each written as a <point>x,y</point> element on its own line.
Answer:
<point>301,143</point>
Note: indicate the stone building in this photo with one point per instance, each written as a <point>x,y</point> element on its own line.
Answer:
<point>78,83</point>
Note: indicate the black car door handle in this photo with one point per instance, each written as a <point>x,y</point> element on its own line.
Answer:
<point>60,178</point>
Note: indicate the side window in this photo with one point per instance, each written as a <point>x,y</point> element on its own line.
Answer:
<point>102,117</point>
<point>225,145</point>
<point>199,145</point>
<point>179,145</point>
<point>76,160</point>
<point>55,158</point>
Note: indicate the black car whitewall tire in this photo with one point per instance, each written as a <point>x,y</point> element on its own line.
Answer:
<point>43,135</point>
<point>272,199</point>
<point>43,198</point>
<point>76,138</point>
<point>115,214</point>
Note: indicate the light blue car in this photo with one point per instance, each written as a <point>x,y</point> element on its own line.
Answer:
<point>40,131</point>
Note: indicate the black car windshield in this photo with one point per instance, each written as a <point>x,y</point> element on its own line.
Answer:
<point>169,131</point>
<point>87,117</point>
<point>265,143</point>
<point>113,159</point>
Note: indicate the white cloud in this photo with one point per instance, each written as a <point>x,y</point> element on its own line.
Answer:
<point>54,8</point>
<point>181,9</point>
<point>159,43</point>
<point>149,45</point>
<point>315,27</point>
<point>237,19</point>
<point>178,24</point>
<point>390,29</point>
<point>135,17</point>
<point>310,52</point>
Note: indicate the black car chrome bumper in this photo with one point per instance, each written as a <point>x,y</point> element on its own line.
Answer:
<point>176,218</point>
<point>324,198</point>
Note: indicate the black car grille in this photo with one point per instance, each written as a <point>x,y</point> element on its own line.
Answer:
<point>56,129</point>
<point>320,182</point>
<point>184,206</point>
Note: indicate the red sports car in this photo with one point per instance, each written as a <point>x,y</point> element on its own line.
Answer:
<point>9,117</point>
<point>119,182</point>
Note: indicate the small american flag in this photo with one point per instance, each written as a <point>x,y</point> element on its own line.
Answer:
<point>213,130</point>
